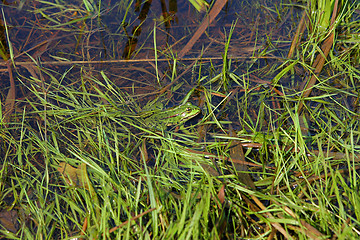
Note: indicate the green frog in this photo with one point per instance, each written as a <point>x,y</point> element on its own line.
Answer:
<point>172,116</point>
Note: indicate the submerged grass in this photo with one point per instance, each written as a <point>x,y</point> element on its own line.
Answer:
<point>79,161</point>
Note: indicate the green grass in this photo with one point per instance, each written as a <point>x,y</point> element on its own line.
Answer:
<point>78,161</point>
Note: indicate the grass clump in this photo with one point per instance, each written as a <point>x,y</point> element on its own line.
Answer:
<point>268,157</point>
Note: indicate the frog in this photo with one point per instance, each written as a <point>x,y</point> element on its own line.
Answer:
<point>171,116</point>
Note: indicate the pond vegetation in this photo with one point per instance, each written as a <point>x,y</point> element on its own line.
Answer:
<point>157,120</point>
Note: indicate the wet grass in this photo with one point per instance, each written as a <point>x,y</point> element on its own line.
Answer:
<point>273,154</point>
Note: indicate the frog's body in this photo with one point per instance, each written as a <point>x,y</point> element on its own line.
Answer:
<point>171,116</point>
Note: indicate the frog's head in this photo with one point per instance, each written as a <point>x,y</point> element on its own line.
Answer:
<point>188,111</point>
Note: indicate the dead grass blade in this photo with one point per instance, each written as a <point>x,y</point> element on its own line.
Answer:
<point>219,4</point>
<point>318,65</point>
<point>299,31</point>
<point>237,152</point>
<point>320,59</point>
<point>10,98</point>
<point>276,225</point>
<point>132,219</point>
